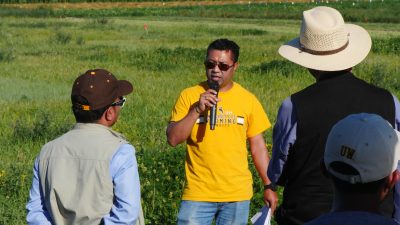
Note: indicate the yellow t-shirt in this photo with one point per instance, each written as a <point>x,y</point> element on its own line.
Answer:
<point>216,160</point>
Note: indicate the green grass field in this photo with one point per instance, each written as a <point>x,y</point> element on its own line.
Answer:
<point>41,55</point>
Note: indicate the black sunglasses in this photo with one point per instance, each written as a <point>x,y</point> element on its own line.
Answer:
<point>121,102</point>
<point>221,66</point>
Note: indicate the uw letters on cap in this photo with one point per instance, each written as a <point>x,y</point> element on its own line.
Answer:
<point>347,152</point>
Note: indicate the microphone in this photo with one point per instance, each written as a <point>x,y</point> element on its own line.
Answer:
<point>213,112</point>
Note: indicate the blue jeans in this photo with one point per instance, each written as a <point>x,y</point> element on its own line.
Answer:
<point>203,213</point>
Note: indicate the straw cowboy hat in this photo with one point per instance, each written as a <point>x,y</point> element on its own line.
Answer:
<point>326,43</point>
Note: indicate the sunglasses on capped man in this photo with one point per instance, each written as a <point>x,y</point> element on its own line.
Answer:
<point>121,102</point>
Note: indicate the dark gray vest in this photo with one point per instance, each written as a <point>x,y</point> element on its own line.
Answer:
<point>308,193</point>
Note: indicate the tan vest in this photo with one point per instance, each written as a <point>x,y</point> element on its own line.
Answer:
<point>75,176</point>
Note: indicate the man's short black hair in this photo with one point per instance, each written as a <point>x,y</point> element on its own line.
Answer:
<point>366,188</point>
<point>346,187</point>
<point>225,44</point>
<point>85,116</point>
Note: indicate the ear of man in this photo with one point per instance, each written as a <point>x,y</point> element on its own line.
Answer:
<point>391,180</point>
<point>109,114</point>
<point>109,117</point>
<point>236,65</point>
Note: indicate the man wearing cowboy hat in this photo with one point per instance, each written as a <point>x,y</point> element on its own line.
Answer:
<point>329,48</point>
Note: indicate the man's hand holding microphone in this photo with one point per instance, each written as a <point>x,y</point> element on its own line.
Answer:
<point>209,100</point>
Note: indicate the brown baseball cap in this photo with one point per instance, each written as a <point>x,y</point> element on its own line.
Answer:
<point>100,88</point>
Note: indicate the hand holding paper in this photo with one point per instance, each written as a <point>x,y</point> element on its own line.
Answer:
<point>262,217</point>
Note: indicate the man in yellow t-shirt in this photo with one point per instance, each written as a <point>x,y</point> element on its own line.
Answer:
<point>218,180</point>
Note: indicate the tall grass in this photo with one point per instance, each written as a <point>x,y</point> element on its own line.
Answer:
<point>42,57</point>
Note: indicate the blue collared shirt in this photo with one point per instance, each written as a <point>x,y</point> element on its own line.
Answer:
<point>125,177</point>
<point>284,136</point>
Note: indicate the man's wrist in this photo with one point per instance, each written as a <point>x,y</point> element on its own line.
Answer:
<point>270,186</point>
<point>197,109</point>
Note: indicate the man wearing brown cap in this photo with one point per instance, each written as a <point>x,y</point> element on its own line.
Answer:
<point>88,175</point>
<point>329,48</point>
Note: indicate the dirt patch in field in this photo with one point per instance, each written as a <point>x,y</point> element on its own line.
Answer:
<point>106,5</point>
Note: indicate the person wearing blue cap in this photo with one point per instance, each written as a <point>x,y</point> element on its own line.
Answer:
<point>361,155</point>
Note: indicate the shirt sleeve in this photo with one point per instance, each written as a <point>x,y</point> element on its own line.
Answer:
<point>397,113</point>
<point>258,120</point>
<point>36,211</point>
<point>396,214</point>
<point>284,136</point>
<point>181,107</point>
<point>125,176</point>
